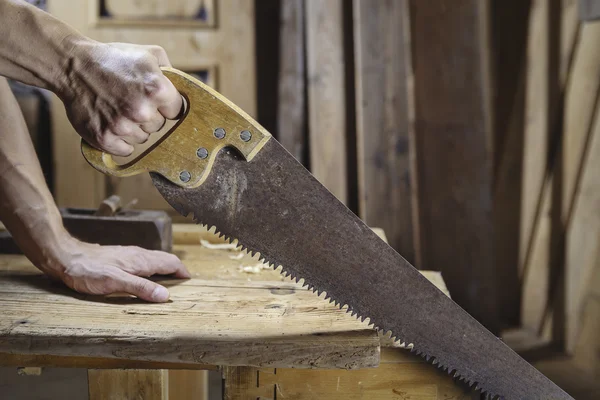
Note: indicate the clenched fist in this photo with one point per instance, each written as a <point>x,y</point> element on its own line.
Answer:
<point>116,95</point>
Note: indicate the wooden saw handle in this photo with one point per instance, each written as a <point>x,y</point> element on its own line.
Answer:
<point>186,154</point>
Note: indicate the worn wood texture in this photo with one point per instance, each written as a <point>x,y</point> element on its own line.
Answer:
<point>399,376</point>
<point>178,11</point>
<point>382,60</point>
<point>453,143</point>
<point>227,47</point>
<point>129,384</point>
<point>291,113</point>
<point>326,94</point>
<point>289,327</point>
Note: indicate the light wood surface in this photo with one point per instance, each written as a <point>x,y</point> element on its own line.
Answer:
<point>271,320</point>
<point>382,76</point>
<point>543,272</point>
<point>133,384</point>
<point>583,237</point>
<point>397,377</point>
<point>207,322</point>
<point>327,94</point>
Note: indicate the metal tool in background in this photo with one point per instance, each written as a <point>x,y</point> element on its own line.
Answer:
<point>221,166</point>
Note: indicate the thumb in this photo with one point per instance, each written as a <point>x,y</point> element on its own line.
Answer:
<point>143,288</point>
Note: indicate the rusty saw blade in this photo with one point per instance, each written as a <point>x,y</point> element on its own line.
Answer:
<point>274,206</point>
<point>220,165</point>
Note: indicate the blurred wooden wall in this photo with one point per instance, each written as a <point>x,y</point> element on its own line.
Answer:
<point>468,129</point>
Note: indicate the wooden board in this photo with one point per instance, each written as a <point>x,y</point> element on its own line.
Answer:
<point>132,384</point>
<point>583,237</point>
<point>291,112</point>
<point>544,263</point>
<point>326,94</point>
<point>398,377</point>
<point>453,143</point>
<point>271,324</point>
<point>226,50</point>
<point>382,69</point>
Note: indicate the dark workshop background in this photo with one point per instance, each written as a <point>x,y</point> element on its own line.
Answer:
<point>467,129</point>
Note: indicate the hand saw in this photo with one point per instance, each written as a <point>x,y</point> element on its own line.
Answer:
<point>221,166</point>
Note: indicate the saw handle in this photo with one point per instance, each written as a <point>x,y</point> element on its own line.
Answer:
<point>186,154</point>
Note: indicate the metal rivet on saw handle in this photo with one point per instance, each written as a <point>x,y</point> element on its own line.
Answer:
<point>185,176</point>
<point>202,153</point>
<point>219,133</point>
<point>246,136</point>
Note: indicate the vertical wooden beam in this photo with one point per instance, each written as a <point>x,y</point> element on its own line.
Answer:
<point>453,143</point>
<point>583,236</point>
<point>326,94</point>
<point>509,22</point>
<point>291,117</point>
<point>383,66</point>
<point>544,108</point>
<point>128,384</point>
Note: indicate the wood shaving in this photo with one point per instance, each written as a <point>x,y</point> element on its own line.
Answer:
<point>253,269</point>
<point>238,256</point>
<point>218,246</point>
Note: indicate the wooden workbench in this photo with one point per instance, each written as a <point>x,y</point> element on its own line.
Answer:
<point>267,334</point>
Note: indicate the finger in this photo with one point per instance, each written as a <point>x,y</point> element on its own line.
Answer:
<point>161,55</point>
<point>130,132</point>
<point>162,263</point>
<point>168,99</point>
<point>142,288</point>
<point>155,125</point>
<point>116,146</point>
<point>144,262</point>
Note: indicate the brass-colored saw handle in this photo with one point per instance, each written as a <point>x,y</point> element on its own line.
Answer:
<point>186,154</point>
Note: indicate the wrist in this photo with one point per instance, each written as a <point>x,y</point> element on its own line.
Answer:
<point>76,55</point>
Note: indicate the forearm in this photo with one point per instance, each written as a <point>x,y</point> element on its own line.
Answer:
<point>35,47</point>
<point>27,208</point>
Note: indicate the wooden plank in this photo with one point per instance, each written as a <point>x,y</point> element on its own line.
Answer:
<point>583,237</point>
<point>589,10</point>
<point>130,384</point>
<point>509,42</point>
<point>547,243</point>
<point>326,94</point>
<point>52,361</point>
<point>452,140</point>
<point>297,327</point>
<point>537,129</point>
<point>587,351</point>
<point>543,116</point>
<point>188,385</point>
<point>291,113</point>
<point>382,60</point>
<point>402,376</point>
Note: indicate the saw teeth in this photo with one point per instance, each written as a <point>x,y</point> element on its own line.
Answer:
<point>431,359</point>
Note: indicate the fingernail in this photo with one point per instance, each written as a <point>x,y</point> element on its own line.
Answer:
<point>160,294</point>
